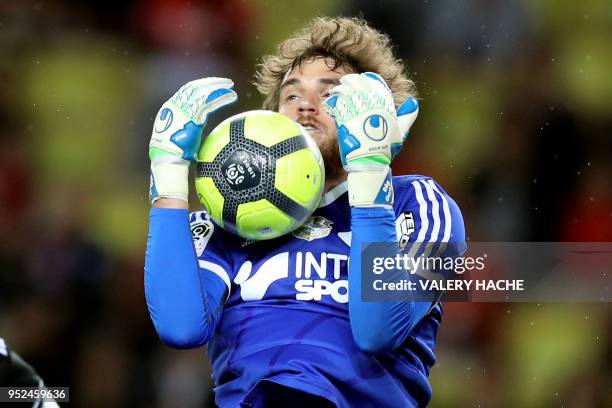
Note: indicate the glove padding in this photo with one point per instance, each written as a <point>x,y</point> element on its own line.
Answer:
<point>369,135</point>
<point>177,134</point>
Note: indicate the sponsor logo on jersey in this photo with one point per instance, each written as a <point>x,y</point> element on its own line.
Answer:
<point>315,227</point>
<point>404,227</point>
<point>316,276</point>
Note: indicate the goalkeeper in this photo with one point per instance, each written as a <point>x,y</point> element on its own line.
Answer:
<point>274,336</point>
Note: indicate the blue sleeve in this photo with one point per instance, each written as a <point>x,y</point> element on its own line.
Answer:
<point>184,302</point>
<point>429,216</point>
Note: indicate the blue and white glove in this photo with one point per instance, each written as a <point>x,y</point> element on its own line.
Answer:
<point>177,134</point>
<point>369,135</point>
<point>407,113</point>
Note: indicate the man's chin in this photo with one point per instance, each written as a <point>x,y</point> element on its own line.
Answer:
<point>318,135</point>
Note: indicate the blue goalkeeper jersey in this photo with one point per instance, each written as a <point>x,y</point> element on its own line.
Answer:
<point>280,310</point>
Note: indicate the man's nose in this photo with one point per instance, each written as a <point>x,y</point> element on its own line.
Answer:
<point>309,106</point>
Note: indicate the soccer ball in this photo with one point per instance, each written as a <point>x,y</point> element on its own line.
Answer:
<point>259,175</point>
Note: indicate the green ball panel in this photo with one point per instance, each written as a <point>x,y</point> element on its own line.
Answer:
<point>214,142</point>
<point>262,220</point>
<point>211,198</point>
<point>271,128</point>
<point>299,176</point>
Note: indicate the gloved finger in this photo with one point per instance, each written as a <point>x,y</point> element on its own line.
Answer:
<point>377,85</point>
<point>410,105</point>
<point>330,106</point>
<point>339,106</point>
<point>376,77</point>
<point>214,101</point>
<point>355,82</point>
<point>197,92</point>
<point>407,113</point>
<point>345,90</point>
<point>211,83</point>
<point>371,89</point>
<point>358,101</point>
<point>208,89</point>
<point>367,83</point>
<point>350,100</point>
<point>191,96</point>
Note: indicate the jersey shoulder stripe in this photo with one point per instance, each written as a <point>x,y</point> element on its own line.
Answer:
<point>435,217</point>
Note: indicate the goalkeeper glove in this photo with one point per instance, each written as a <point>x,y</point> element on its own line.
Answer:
<point>369,135</point>
<point>177,134</point>
<point>406,115</point>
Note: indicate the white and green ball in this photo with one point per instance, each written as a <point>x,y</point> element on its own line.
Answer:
<point>259,175</point>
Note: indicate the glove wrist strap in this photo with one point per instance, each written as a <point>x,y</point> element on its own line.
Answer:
<point>169,180</point>
<point>371,187</point>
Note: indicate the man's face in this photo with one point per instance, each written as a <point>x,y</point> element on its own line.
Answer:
<point>302,95</point>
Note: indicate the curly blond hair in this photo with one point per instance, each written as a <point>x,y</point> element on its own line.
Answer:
<point>350,42</point>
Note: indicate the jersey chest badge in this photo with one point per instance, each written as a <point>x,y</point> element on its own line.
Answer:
<point>315,227</point>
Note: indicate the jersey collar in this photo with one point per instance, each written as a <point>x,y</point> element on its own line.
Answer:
<point>333,194</point>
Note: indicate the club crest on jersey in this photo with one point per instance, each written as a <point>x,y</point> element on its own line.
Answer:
<point>315,227</point>
<point>404,227</point>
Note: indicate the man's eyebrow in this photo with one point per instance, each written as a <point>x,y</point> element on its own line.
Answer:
<point>292,81</point>
<point>324,81</point>
<point>330,81</point>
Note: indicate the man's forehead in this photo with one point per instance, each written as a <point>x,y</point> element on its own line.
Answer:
<point>321,70</point>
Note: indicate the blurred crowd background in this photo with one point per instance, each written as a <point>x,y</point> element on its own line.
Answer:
<point>516,124</point>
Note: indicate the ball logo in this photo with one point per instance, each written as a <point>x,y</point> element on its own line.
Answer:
<point>234,174</point>
<point>164,120</point>
<point>375,127</point>
<point>241,170</point>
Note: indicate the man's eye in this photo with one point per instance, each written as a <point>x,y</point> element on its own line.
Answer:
<point>326,94</point>
<point>291,97</point>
